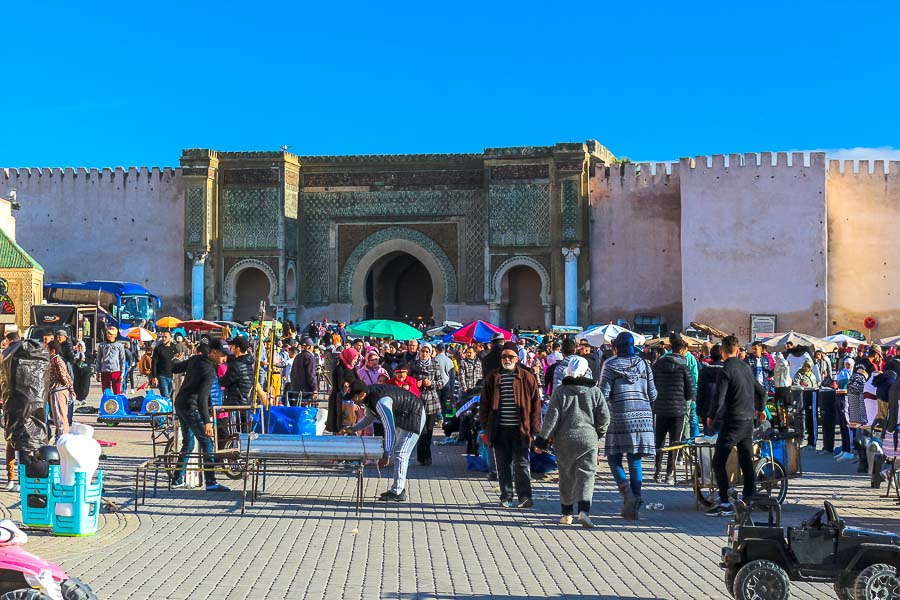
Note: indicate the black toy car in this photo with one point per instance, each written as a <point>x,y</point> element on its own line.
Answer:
<point>763,559</point>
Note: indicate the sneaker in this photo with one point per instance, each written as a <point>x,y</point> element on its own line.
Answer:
<point>391,496</point>
<point>722,510</point>
<point>12,486</point>
<point>526,503</point>
<point>505,503</point>
<point>217,487</point>
<point>179,485</point>
<point>585,520</point>
<point>565,520</point>
<point>845,456</point>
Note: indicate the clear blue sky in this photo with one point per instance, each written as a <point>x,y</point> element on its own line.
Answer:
<point>105,84</point>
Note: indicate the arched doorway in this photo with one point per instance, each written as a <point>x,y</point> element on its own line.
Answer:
<point>399,286</point>
<point>521,295</point>
<point>251,287</point>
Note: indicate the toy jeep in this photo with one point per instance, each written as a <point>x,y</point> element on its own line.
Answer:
<point>762,560</point>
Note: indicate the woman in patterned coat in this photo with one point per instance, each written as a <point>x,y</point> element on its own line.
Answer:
<point>627,384</point>
<point>427,372</point>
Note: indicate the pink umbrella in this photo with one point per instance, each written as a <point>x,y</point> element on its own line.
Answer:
<point>200,325</point>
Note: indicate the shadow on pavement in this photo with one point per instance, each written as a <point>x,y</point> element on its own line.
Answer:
<point>430,596</point>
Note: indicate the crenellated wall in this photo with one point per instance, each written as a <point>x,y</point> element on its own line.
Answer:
<point>635,243</point>
<point>104,224</point>
<point>864,246</point>
<point>754,241</point>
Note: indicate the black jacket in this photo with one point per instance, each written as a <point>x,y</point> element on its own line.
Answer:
<point>407,408</point>
<point>490,359</point>
<point>673,386</point>
<point>706,390</point>
<point>339,377</point>
<point>303,373</point>
<point>238,380</point>
<point>162,360</point>
<point>740,396</point>
<point>199,377</point>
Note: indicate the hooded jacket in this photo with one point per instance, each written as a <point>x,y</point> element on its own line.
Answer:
<point>238,380</point>
<point>706,390</point>
<point>673,386</point>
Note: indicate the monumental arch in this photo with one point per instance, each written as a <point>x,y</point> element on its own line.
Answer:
<point>442,236</point>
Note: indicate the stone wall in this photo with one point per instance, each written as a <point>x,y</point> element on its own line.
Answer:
<point>753,241</point>
<point>635,243</point>
<point>864,246</point>
<point>114,224</point>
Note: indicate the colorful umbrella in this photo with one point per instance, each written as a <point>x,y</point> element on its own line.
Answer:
<point>200,325</point>
<point>476,331</point>
<point>384,328</point>
<point>138,333</point>
<point>606,334</point>
<point>168,322</point>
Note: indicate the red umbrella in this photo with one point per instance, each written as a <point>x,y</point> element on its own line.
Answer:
<point>200,325</point>
<point>478,331</point>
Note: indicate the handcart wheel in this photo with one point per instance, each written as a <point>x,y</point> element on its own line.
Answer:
<point>707,497</point>
<point>232,464</point>
<point>771,479</point>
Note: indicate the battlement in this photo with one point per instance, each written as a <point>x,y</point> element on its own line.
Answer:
<point>106,173</point>
<point>638,175</point>
<point>757,160</point>
<point>888,170</point>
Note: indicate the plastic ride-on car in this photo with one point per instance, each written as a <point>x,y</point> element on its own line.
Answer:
<point>763,559</point>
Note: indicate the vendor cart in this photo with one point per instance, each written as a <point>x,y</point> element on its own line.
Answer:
<point>777,459</point>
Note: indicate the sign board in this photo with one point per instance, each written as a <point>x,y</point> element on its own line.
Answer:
<point>762,326</point>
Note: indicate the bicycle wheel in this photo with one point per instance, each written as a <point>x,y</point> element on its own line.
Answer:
<point>771,479</point>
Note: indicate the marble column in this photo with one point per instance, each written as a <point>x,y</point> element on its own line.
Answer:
<point>571,256</point>
<point>198,260</point>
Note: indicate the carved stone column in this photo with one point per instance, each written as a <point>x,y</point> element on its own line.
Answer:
<point>198,261</point>
<point>571,287</point>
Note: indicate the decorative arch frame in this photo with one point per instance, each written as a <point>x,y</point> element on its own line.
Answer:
<point>521,261</point>
<point>242,265</point>
<point>351,285</point>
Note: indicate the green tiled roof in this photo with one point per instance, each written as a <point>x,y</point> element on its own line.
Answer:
<point>13,257</point>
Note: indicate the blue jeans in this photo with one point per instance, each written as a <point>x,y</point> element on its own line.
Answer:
<point>192,425</point>
<point>691,422</point>
<point>165,386</point>
<point>635,470</point>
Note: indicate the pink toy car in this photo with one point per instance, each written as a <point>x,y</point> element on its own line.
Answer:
<point>24,576</point>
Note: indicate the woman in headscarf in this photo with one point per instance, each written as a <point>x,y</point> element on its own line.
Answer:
<point>576,420</point>
<point>81,372</point>
<point>431,380</point>
<point>627,384</point>
<point>343,375</point>
<point>844,375</point>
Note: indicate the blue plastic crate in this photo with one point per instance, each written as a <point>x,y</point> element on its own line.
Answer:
<point>85,500</point>
<point>37,497</point>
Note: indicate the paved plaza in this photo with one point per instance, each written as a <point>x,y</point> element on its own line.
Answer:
<point>303,540</point>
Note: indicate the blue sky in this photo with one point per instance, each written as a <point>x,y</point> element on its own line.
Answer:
<point>111,84</point>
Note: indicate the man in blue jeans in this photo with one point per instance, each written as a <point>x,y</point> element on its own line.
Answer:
<point>193,411</point>
<point>161,364</point>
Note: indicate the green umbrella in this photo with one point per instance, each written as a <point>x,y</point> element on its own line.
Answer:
<point>383,328</point>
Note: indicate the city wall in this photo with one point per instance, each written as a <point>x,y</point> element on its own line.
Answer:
<point>636,243</point>
<point>754,241</point>
<point>104,224</point>
<point>864,246</point>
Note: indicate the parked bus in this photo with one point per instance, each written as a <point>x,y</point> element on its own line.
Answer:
<point>128,303</point>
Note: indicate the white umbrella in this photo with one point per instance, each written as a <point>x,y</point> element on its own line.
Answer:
<point>605,334</point>
<point>890,341</point>
<point>779,342</point>
<point>840,338</point>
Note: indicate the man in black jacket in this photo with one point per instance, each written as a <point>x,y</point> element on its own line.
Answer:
<point>161,362</point>
<point>741,398</point>
<point>490,357</point>
<point>238,378</point>
<point>706,390</point>
<point>675,390</point>
<point>403,417</point>
<point>303,371</point>
<point>192,409</point>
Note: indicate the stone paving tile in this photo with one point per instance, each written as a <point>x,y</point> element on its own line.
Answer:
<point>450,541</point>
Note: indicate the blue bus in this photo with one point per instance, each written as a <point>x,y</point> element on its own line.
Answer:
<point>128,303</point>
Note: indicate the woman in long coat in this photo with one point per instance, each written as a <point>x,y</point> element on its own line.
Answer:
<point>627,384</point>
<point>343,375</point>
<point>576,419</point>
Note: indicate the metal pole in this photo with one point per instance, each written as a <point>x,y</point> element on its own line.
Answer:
<point>271,370</point>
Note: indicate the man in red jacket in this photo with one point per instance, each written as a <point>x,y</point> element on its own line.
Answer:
<point>510,413</point>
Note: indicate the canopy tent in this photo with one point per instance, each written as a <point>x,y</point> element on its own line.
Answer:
<point>709,329</point>
<point>692,342</point>
<point>779,342</point>
<point>890,341</point>
<point>476,331</point>
<point>840,339</point>
<point>200,325</point>
<point>605,334</point>
<point>384,328</point>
